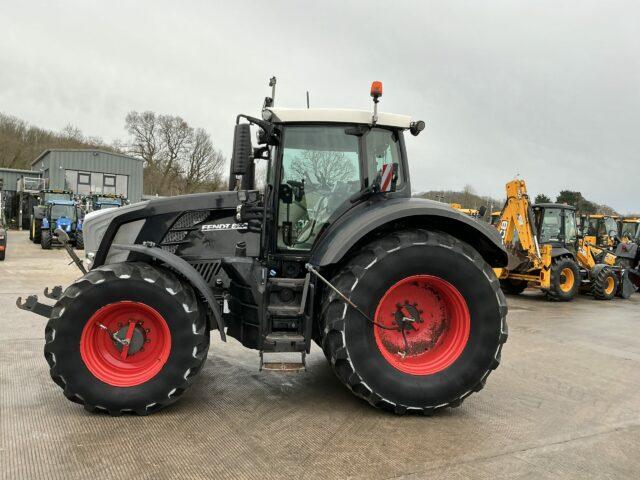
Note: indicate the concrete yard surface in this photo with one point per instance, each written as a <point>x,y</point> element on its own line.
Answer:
<point>564,403</point>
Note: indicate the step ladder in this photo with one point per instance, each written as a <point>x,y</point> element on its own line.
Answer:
<point>283,362</point>
<point>285,339</point>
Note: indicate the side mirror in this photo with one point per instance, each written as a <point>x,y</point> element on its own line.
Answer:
<point>242,149</point>
<point>482,211</point>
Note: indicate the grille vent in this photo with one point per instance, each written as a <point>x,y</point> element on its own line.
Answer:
<point>181,228</point>
<point>208,270</point>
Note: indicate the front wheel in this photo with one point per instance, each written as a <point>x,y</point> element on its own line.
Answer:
<point>440,322</point>
<point>565,279</point>
<point>126,337</point>
<point>605,283</point>
<point>79,240</point>
<point>45,239</point>
<point>36,230</point>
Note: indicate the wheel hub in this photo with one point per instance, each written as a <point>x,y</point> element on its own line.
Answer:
<point>135,342</point>
<point>125,343</point>
<point>422,325</point>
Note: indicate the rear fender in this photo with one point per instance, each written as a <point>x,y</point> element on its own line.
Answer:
<point>366,219</point>
<point>187,271</point>
<point>561,252</point>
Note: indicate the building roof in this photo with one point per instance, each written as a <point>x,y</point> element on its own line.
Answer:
<point>95,150</point>
<point>19,170</point>
<point>337,115</point>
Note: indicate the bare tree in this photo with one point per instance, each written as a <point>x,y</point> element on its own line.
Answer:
<point>145,143</point>
<point>176,136</point>
<point>322,169</point>
<point>178,158</point>
<point>204,163</point>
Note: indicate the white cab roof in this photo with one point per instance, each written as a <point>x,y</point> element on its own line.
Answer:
<point>337,115</point>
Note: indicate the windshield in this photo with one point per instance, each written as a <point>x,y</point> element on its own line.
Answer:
<point>56,196</point>
<point>551,227</point>
<point>68,211</point>
<point>109,200</point>
<point>320,171</point>
<point>610,226</point>
<point>104,206</point>
<point>629,229</point>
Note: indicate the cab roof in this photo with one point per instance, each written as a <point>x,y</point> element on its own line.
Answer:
<point>60,202</point>
<point>336,115</point>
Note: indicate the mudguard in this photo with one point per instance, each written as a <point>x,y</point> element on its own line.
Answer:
<point>185,269</point>
<point>356,223</point>
<point>561,251</point>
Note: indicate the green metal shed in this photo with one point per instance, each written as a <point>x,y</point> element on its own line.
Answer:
<point>91,171</point>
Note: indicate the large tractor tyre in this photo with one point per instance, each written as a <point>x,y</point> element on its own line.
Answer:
<point>513,287</point>
<point>36,231</point>
<point>565,279</point>
<point>459,325</point>
<point>45,239</point>
<point>605,284</point>
<point>150,307</point>
<point>79,240</point>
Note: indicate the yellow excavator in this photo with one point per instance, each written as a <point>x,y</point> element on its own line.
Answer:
<point>545,251</point>
<point>600,229</point>
<point>472,212</point>
<point>529,261</point>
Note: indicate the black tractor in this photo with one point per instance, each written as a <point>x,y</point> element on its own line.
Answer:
<point>398,292</point>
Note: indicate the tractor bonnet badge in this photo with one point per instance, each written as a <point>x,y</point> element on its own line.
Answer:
<point>223,226</point>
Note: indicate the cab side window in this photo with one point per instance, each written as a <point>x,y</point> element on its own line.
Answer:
<point>382,148</point>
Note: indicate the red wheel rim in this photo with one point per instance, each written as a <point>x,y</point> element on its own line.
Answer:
<point>125,366</point>
<point>439,333</point>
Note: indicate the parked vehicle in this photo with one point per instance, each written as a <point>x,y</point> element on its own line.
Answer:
<point>63,215</point>
<point>398,291</point>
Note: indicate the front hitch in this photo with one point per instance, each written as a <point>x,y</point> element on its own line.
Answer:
<point>63,238</point>
<point>32,305</point>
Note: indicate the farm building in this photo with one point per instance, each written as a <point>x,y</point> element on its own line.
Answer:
<point>91,171</point>
<point>82,171</point>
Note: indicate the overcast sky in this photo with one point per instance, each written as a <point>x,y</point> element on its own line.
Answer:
<point>545,89</point>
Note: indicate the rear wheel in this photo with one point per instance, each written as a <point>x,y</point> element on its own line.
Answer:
<point>36,230</point>
<point>451,309</point>
<point>565,279</point>
<point>162,339</point>
<point>605,284</point>
<point>45,239</point>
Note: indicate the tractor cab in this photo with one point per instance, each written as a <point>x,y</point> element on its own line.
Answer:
<point>629,231</point>
<point>599,229</point>
<point>556,225</point>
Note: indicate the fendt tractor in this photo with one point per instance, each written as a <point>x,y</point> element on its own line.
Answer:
<point>399,292</point>
<point>38,211</point>
<point>547,252</point>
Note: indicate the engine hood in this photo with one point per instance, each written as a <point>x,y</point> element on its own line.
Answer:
<point>149,221</point>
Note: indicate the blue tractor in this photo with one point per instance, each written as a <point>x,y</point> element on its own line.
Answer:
<point>65,215</point>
